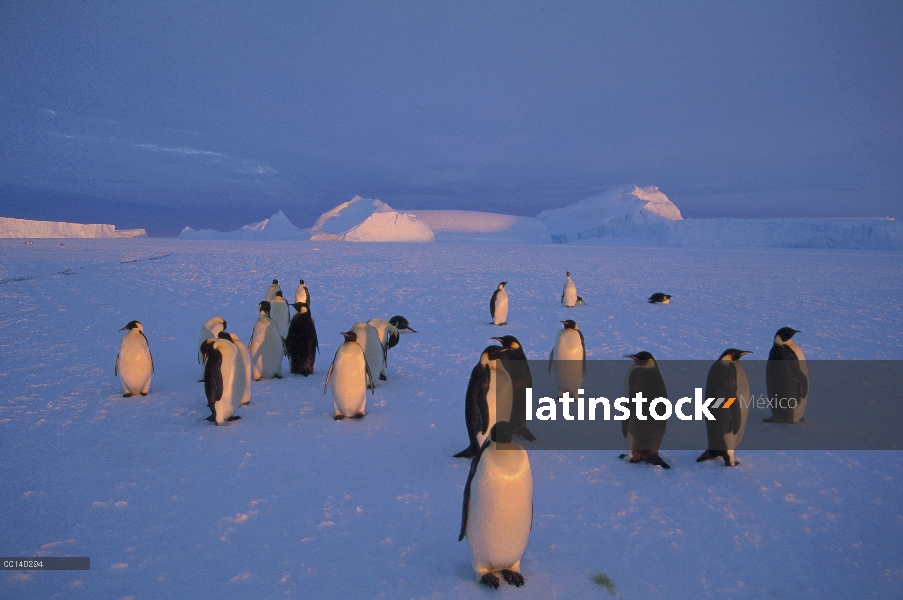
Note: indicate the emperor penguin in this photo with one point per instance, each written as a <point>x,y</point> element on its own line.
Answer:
<point>280,314</point>
<point>498,305</point>
<point>350,379</point>
<point>389,333</point>
<point>660,298</point>
<point>301,345</point>
<point>246,367</point>
<point>222,364</point>
<point>209,330</point>
<point>271,291</point>
<point>368,338</point>
<point>134,363</point>
<point>568,358</point>
<point>727,380</point>
<point>514,361</point>
<point>302,294</point>
<point>489,394</point>
<point>497,514</point>
<point>569,295</point>
<point>786,379</point>
<point>266,347</point>
<point>644,437</point>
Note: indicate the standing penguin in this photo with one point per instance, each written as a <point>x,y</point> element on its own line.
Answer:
<point>727,379</point>
<point>568,358</point>
<point>368,338</point>
<point>660,298</point>
<point>301,344</point>
<point>209,330</point>
<point>497,514</point>
<point>569,295</point>
<point>644,437</point>
<point>389,334</point>
<point>221,365</point>
<point>134,363</point>
<point>786,379</point>
<point>302,294</point>
<point>351,380</point>
<point>246,367</point>
<point>280,314</point>
<point>489,395</point>
<point>271,291</point>
<point>266,346</point>
<point>498,305</point>
<point>514,361</point>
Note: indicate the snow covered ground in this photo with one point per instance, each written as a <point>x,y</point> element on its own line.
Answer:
<point>287,503</point>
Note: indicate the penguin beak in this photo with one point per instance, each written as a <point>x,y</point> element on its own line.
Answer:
<point>745,352</point>
<point>631,356</point>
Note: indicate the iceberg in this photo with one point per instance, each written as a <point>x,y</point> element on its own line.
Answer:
<point>369,220</point>
<point>276,228</point>
<point>469,226</point>
<point>26,228</point>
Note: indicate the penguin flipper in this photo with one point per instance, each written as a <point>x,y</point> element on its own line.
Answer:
<point>116,366</point>
<point>583,345</point>
<point>476,406</point>
<point>329,372</point>
<point>495,295</point>
<point>551,358</point>
<point>151,358</point>
<point>473,471</point>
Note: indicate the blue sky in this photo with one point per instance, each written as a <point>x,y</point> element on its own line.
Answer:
<point>167,114</point>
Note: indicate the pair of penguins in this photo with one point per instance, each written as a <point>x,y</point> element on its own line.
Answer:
<point>365,348</point>
<point>498,304</point>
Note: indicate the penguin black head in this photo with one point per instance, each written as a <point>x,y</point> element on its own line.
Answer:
<point>263,307</point>
<point>570,324</point>
<point>568,274</point>
<point>493,352</point>
<point>279,293</point>
<point>133,325</point>
<point>640,357</point>
<point>299,305</point>
<point>206,348</point>
<point>508,341</point>
<point>276,281</point>
<point>502,432</point>
<point>301,282</point>
<point>503,284</point>
<point>734,354</point>
<point>401,324</point>
<point>350,336</point>
<point>223,335</point>
<point>785,333</point>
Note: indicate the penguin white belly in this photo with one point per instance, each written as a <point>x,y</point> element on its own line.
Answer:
<point>501,308</point>
<point>279,314</point>
<point>500,512</point>
<point>733,441</point>
<point>800,409</point>
<point>368,338</point>
<point>266,350</point>
<point>245,367</point>
<point>349,384</point>
<point>134,363</point>
<point>301,295</point>
<point>569,297</point>
<point>567,365</point>
<point>231,370</point>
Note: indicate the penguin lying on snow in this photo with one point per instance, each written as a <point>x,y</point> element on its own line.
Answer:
<point>727,379</point>
<point>134,363</point>
<point>644,437</point>
<point>498,305</point>
<point>350,379</point>
<point>660,298</point>
<point>786,377</point>
<point>489,387</point>
<point>497,514</point>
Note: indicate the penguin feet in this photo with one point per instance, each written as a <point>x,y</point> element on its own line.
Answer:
<point>233,418</point>
<point>144,393</point>
<point>707,455</point>
<point>655,459</point>
<point>382,377</point>
<point>490,580</point>
<point>210,418</point>
<point>513,577</point>
<point>126,395</point>
<point>728,463</point>
<point>339,417</point>
<point>278,376</point>
<point>258,379</point>
<point>468,452</point>
<point>359,415</point>
<point>622,456</point>
<point>772,420</point>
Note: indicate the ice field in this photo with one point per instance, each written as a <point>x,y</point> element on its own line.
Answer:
<point>288,503</point>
